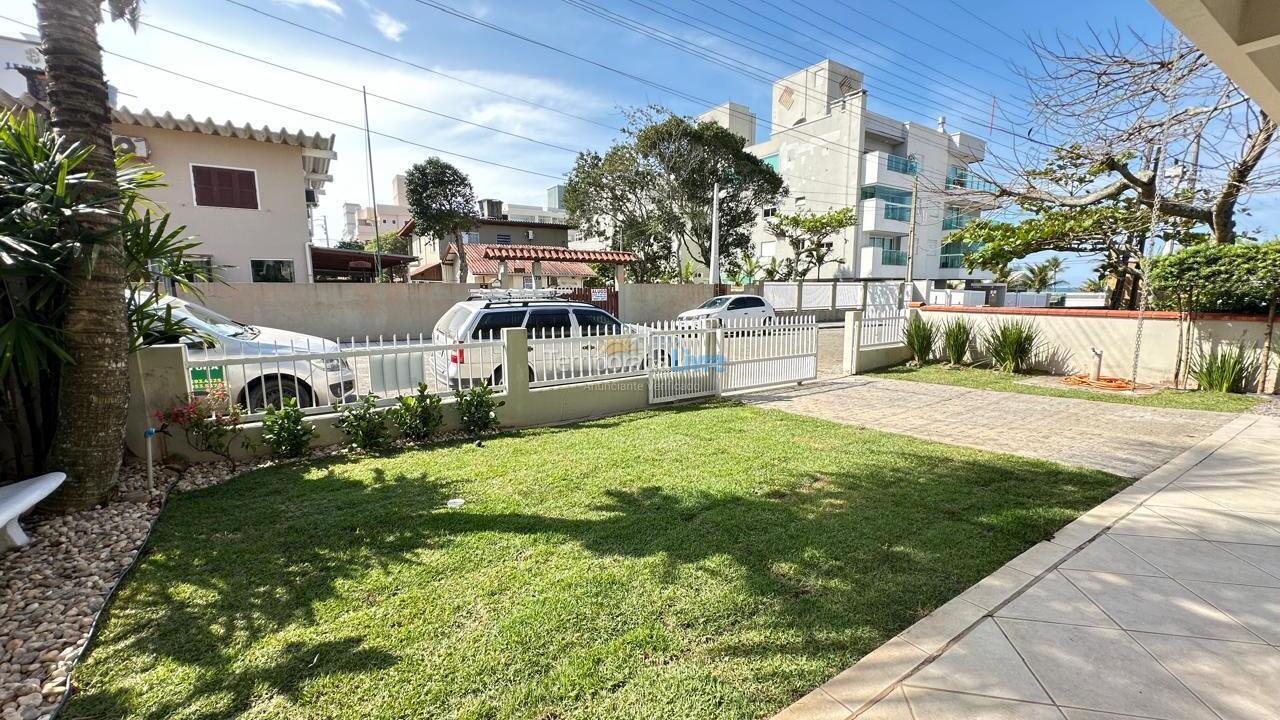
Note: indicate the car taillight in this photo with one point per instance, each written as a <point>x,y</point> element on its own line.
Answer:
<point>457,356</point>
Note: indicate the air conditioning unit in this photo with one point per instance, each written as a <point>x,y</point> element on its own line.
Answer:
<point>528,234</point>
<point>135,146</point>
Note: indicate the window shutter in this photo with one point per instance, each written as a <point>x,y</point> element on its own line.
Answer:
<point>224,187</point>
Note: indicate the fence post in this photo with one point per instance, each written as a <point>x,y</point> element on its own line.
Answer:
<point>799,296</point>
<point>852,340</point>
<point>711,344</point>
<point>515,366</point>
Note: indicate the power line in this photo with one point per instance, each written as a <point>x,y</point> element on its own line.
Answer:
<point>423,68</point>
<point>344,86</point>
<point>943,28</point>
<point>984,21</point>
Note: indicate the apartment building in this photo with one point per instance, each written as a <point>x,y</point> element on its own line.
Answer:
<point>833,152</point>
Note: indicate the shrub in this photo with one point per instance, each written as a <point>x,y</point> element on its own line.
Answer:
<point>211,422</point>
<point>286,430</point>
<point>919,334</point>
<point>477,410</point>
<point>364,426</point>
<point>956,337</point>
<point>1226,370</point>
<point>418,416</point>
<point>1011,345</point>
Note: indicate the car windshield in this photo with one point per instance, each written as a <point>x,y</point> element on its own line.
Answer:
<point>715,302</point>
<point>206,320</point>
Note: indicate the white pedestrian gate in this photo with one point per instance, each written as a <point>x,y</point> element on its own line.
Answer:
<point>689,360</point>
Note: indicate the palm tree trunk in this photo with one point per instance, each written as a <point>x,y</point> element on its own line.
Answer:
<point>94,389</point>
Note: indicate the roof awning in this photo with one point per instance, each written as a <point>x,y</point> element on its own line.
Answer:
<point>544,252</point>
<point>327,259</point>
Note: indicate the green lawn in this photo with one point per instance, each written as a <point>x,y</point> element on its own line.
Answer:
<point>699,562</point>
<point>986,379</point>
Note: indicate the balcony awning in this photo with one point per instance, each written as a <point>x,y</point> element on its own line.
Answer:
<point>545,252</point>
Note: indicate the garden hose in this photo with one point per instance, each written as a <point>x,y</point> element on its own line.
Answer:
<point>1105,382</point>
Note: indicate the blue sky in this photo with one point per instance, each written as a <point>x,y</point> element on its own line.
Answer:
<point>914,70</point>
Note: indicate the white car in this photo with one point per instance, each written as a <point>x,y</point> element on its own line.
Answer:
<point>730,307</point>
<point>574,340</point>
<point>314,383</point>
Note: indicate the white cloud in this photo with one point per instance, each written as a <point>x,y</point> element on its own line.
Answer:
<point>390,27</point>
<point>161,92</point>
<point>326,5</point>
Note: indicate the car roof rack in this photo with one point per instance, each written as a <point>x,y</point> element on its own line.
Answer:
<point>523,297</point>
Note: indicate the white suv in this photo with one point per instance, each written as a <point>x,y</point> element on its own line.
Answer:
<point>568,340</point>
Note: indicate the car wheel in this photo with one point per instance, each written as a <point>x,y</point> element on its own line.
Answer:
<point>271,392</point>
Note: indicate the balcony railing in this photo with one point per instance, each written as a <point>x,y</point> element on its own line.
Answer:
<point>953,254</point>
<point>958,178</point>
<point>900,164</point>
<point>955,222</point>
<point>893,257</point>
<point>902,213</point>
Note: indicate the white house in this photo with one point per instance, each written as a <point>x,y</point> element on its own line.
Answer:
<point>833,152</point>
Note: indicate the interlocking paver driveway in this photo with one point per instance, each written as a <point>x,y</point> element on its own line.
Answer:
<point>1124,439</point>
<point>1173,612</point>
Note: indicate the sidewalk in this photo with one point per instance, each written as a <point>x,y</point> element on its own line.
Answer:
<point>1163,602</point>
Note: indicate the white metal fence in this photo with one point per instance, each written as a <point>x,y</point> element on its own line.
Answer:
<point>681,359</point>
<point>814,295</point>
<point>258,374</point>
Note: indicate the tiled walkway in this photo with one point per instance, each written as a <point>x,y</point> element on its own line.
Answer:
<point>1164,602</point>
<point>1127,440</point>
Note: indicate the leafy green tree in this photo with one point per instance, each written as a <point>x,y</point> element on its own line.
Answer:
<point>442,203</point>
<point>390,243</point>
<point>1038,277</point>
<point>351,244</point>
<point>651,193</point>
<point>806,233</point>
<point>1094,285</point>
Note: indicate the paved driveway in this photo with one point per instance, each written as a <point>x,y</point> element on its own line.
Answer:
<point>1123,439</point>
<point>1163,602</point>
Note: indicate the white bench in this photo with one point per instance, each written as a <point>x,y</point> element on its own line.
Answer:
<point>18,498</point>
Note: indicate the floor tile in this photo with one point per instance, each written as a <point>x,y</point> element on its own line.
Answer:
<point>942,625</point>
<point>996,587</point>
<point>1265,557</point>
<point>1176,496</point>
<point>1271,520</point>
<point>1107,555</point>
<point>876,671</point>
<point>1245,494</point>
<point>1041,557</point>
<point>939,705</point>
<point>1257,608</point>
<point>1101,669</point>
<point>1154,604</point>
<point>1196,560</point>
<point>982,662</point>
<point>893,707</point>
<point>1238,681</point>
<point>1053,599</point>
<point>1148,522</point>
<point>1092,715</point>
<point>1224,525</point>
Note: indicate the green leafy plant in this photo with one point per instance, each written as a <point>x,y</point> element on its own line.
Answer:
<point>477,410</point>
<point>1011,345</point>
<point>285,429</point>
<point>418,417</point>
<point>212,423</point>
<point>1225,370</point>
<point>919,334</point>
<point>957,335</point>
<point>364,427</point>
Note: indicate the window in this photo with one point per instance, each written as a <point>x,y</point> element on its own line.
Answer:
<point>470,237</point>
<point>884,242</point>
<point>548,323</point>
<point>201,268</point>
<point>769,212</point>
<point>746,303</point>
<point>504,239</point>
<point>772,161</point>
<point>800,200</point>
<point>492,323</point>
<point>272,270</point>
<point>596,322</point>
<point>768,248</point>
<point>224,187</point>
<point>526,282</point>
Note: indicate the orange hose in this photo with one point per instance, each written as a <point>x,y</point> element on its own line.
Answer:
<point>1104,382</point>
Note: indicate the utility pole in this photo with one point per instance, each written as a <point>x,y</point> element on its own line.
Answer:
<point>909,290</point>
<point>373,194</point>
<point>715,234</point>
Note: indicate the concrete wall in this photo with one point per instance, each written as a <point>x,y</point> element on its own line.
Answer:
<point>1069,335</point>
<point>277,230</point>
<point>657,302</point>
<point>333,310</point>
<point>158,381</point>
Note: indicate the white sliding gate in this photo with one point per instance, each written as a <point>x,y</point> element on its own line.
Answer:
<point>689,360</point>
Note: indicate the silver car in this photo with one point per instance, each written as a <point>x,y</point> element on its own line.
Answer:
<point>270,375</point>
